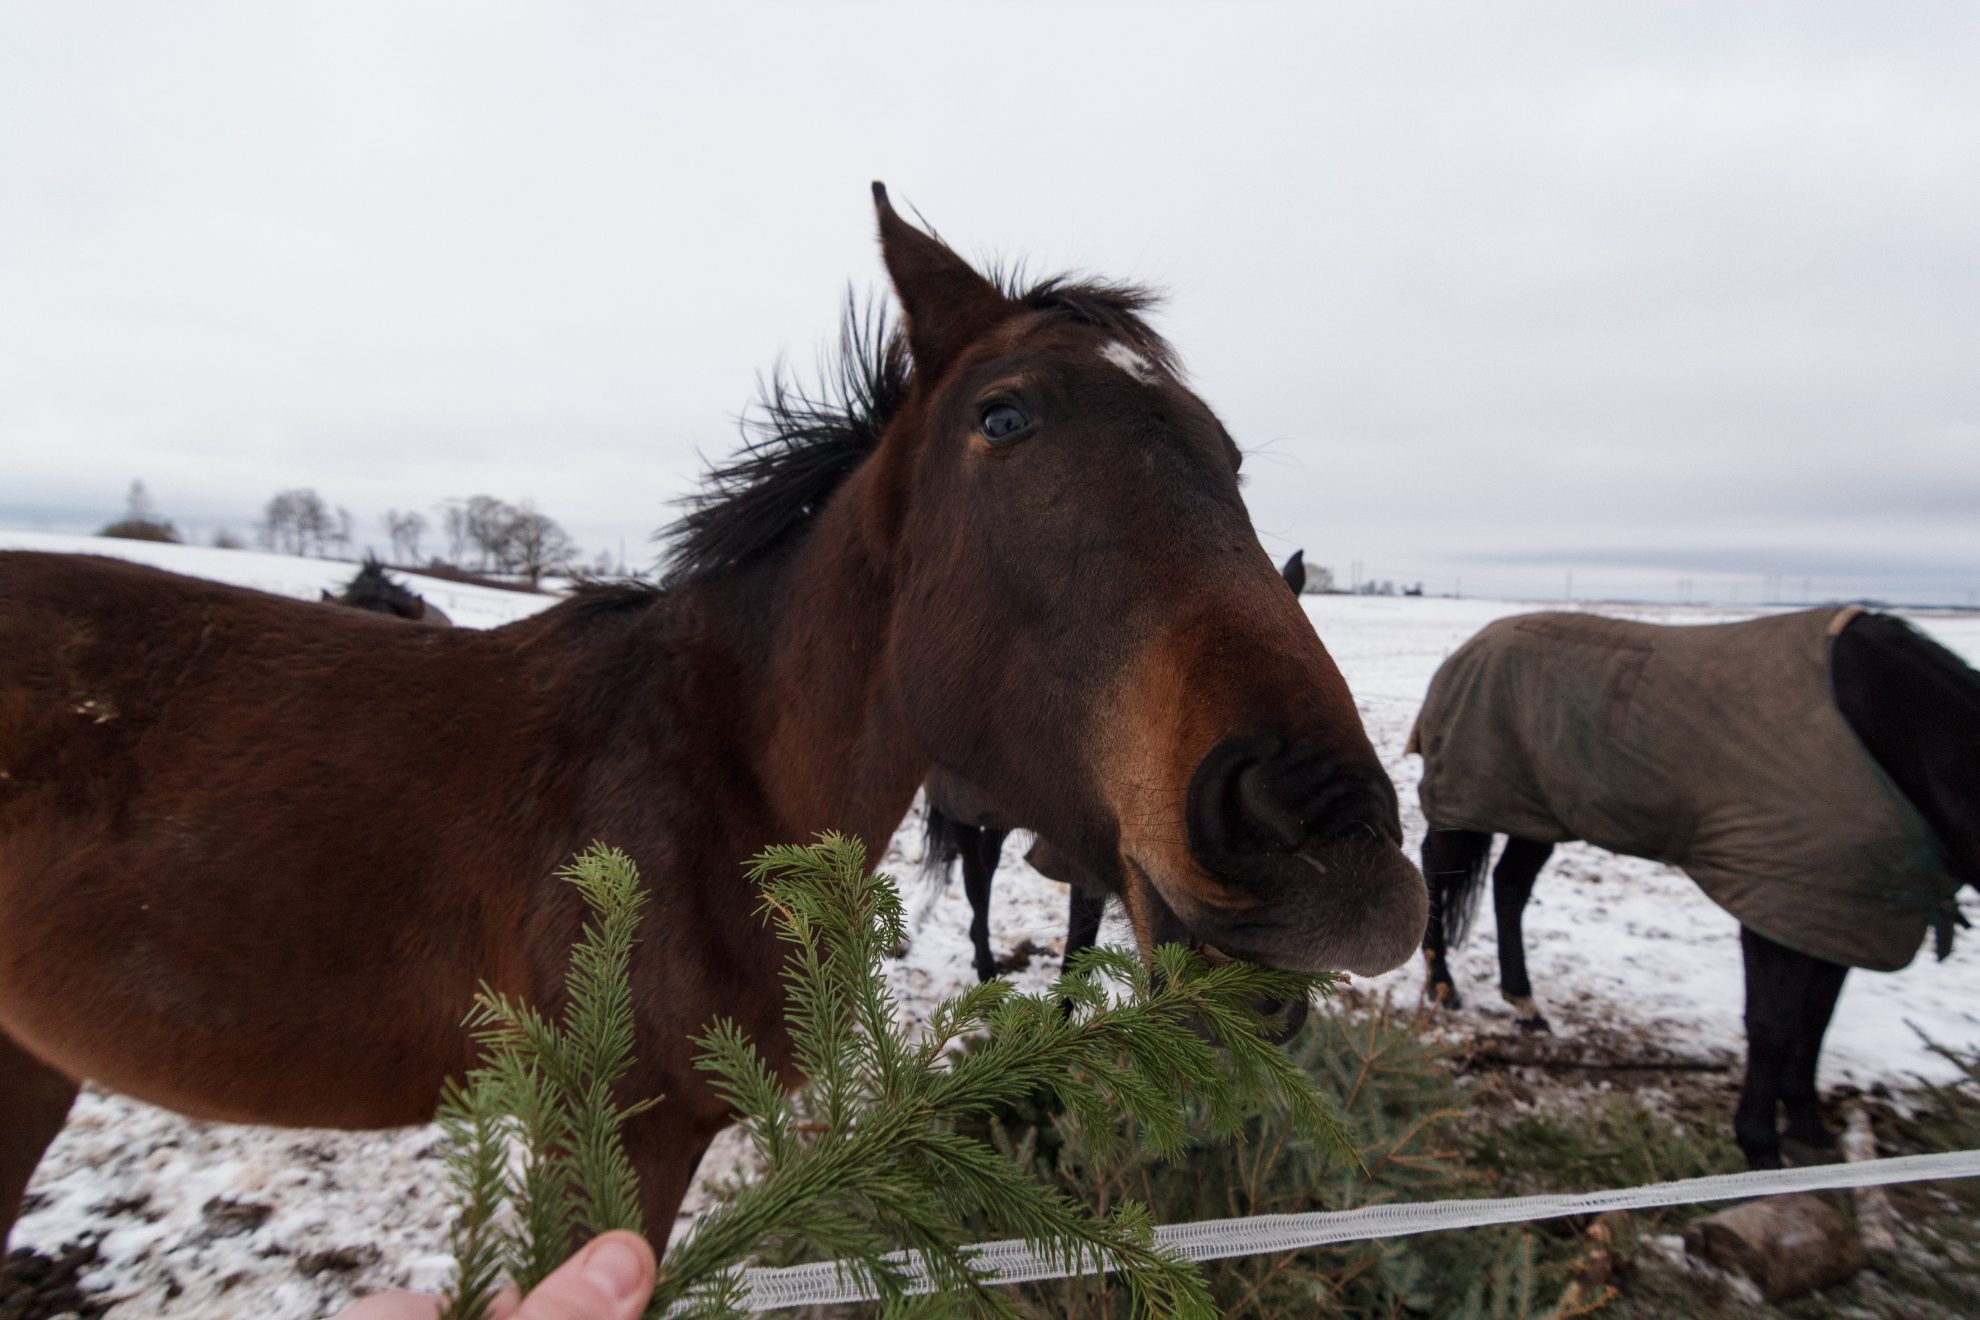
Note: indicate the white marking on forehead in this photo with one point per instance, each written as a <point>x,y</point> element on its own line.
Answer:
<point>1131,361</point>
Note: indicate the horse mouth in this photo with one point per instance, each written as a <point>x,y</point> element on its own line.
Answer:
<point>1288,1015</point>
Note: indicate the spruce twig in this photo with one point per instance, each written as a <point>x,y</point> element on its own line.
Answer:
<point>476,1151</point>
<point>881,1165</point>
<point>545,1090</point>
<point>874,1155</point>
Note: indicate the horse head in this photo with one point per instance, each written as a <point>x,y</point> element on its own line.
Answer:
<point>1088,629</point>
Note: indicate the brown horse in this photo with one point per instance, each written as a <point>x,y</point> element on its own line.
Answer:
<point>255,856</point>
<point>963,824</point>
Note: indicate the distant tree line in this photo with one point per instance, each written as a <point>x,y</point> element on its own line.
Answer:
<point>298,522</point>
<point>481,533</point>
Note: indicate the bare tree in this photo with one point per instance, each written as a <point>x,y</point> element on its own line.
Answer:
<point>537,545</point>
<point>453,523</point>
<point>505,538</point>
<point>405,530</point>
<point>296,522</point>
<point>489,525</point>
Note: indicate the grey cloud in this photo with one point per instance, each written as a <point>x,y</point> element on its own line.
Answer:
<point>1469,281</point>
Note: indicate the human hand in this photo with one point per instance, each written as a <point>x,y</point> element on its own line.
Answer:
<point>610,1279</point>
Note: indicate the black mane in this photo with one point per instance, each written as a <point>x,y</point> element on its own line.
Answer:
<point>1115,308</point>
<point>590,598</point>
<point>800,443</point>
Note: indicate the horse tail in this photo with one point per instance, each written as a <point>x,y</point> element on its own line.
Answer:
<point>942,844</point>
<point>1454,865</point>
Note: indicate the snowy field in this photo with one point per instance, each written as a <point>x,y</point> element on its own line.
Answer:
<point>196,1219</point>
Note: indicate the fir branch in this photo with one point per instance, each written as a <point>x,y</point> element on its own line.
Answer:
<point>476,1148</point>
<point>539,1184</point>
<point>884,1166</point>
<point>598,1025</point>
<point>546,1087</point>
<point>873,1156</point>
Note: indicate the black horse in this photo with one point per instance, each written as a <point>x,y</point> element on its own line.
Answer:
<point>1758,835</point>
<point>1294,572</point>
<point>962,824</point>
<point>372,588</point>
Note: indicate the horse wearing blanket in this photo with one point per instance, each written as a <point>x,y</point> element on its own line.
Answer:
<point>1816,773</point>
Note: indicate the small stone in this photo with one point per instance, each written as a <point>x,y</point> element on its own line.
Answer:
<point>1787,1245</point>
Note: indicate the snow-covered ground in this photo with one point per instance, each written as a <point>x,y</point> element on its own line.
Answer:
<point>469,606</point>
<point>197,1219</point>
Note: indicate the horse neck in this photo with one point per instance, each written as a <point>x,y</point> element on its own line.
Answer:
<point>820,718</point>
<point>1916,709</point>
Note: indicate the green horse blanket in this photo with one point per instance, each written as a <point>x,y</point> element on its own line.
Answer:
<point>1716,748</point>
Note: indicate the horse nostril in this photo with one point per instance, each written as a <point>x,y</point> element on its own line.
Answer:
<point>1226,795</point>
<point>1269,813</point>
<point>1258,795</point>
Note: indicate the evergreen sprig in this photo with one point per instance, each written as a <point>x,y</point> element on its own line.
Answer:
<point>872,1155</point>
<point>535,1127</point>
<point>883,1149</point>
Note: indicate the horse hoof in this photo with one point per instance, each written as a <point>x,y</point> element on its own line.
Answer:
<point>1762,1159</point>
<point>1444,995</point>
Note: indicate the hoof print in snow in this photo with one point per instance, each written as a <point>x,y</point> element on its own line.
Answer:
<point>124,1207</point>
<point>337,1260</point>
<point>228,1218</point>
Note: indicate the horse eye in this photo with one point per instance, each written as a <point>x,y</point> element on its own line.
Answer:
<point>1002,421</point>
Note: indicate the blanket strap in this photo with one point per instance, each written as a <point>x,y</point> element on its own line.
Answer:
<point>1842,618</point>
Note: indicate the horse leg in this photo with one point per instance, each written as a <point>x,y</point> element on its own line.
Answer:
<point>1083,913</point>
<point>1804,1137</point>
<point>1512,885</point>
<point>980,854</point>
<point>1446,867</point>
<point>34,1103</point>
<point>1776,990</point>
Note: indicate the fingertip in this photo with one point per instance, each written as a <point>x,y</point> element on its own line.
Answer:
<point>392,1306</point>
<point>621,1265</point>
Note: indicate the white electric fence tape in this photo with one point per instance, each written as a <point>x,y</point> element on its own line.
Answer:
<point>826,1283</point>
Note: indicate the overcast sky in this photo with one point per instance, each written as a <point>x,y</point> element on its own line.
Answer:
<point>1655,295</point>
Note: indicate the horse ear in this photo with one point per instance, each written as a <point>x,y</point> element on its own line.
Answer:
<point>946,302</point>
